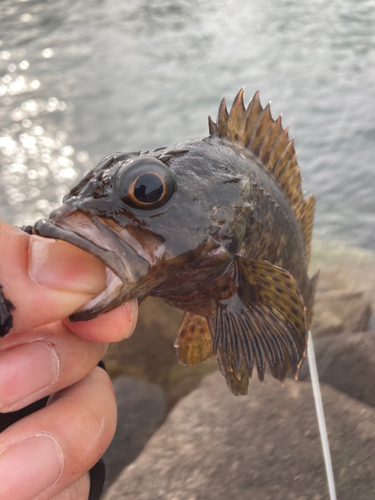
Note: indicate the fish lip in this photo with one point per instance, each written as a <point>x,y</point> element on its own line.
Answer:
<point>50,229</point>
<point>61,228</point>
<point>124,267</point>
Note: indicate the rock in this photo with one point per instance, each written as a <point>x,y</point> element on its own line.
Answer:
<point>179,372</point>
<point>347,362</point>
<point>264,446</point>
<point>345,296</point>
<point>149,353</point>
<point>182,389</point>
<point>339,311</point>
<point>142,408</point>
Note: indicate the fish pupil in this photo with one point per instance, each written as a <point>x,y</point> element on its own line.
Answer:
<point>148,188</point>
<point>145,183</point>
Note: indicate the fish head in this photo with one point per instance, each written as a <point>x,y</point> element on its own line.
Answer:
<point>152,219</point>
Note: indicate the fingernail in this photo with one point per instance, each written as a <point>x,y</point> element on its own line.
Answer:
<point>29,467</point>
<point>133,304</point>
<point>25,370</point>
<point>62,266</point>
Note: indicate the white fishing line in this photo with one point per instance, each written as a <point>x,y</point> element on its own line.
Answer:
<point>320,413</point>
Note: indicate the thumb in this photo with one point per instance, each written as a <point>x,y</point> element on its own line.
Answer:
<point>43,280</point>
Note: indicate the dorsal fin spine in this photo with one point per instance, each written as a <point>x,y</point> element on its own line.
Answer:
<point>288,171</point>
<point>274,132</point>
<point>254,129</point>
<point>278,148</point>
<point>307,221</point>
<point>211,126</point>
<point>250,119</point>
<point>236,116</point>
<point>293,187</point>
<point>222,119</point>
<point>260,130</point>
<point>284,159</point>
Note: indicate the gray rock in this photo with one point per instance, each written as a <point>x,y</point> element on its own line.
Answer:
<point>142,408</point>
<point>149,353</point>
<point>182,389</point>
<point>265,446</point>
<point>340,311</point>
<point>346,288</point>
<point>347,362</point>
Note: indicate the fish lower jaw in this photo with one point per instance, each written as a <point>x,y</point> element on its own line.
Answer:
<point>117,290</point>
<point>106,300</point>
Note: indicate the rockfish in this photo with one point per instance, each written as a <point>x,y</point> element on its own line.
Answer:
<point>216,226</point>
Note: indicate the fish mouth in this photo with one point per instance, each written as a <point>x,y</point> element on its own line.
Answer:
<point>126,270</point>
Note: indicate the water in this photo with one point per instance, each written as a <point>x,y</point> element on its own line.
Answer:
<point>81,79</point>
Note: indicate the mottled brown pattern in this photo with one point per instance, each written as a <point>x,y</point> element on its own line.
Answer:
<point>193,341</point>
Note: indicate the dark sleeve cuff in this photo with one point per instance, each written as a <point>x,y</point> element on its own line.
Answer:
<point>97,473</point>
<point>97,478</point>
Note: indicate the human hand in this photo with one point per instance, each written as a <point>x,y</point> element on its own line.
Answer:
<point>47,454</point>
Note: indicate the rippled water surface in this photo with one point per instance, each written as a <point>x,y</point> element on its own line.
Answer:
<point>80,79</point>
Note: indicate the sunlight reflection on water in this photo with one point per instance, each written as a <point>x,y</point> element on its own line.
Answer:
<point>38,166</point>
<point>138,75</point>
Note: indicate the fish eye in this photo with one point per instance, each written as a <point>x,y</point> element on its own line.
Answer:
<point>146,183</point>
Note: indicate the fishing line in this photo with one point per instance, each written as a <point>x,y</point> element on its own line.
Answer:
<point>320,414</point>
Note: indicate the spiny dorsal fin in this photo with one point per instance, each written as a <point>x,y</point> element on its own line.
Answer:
<point>307,222</point>
<point>254,129</point>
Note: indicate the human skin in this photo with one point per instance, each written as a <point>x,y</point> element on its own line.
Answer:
<point>47,454</point>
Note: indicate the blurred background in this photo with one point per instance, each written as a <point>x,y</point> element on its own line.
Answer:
<point>80,79</point>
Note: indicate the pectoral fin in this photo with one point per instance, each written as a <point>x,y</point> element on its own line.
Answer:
<point>193,342</point>
<point>264,322</point>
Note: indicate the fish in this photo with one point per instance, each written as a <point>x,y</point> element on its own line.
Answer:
<point>216,226</point>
